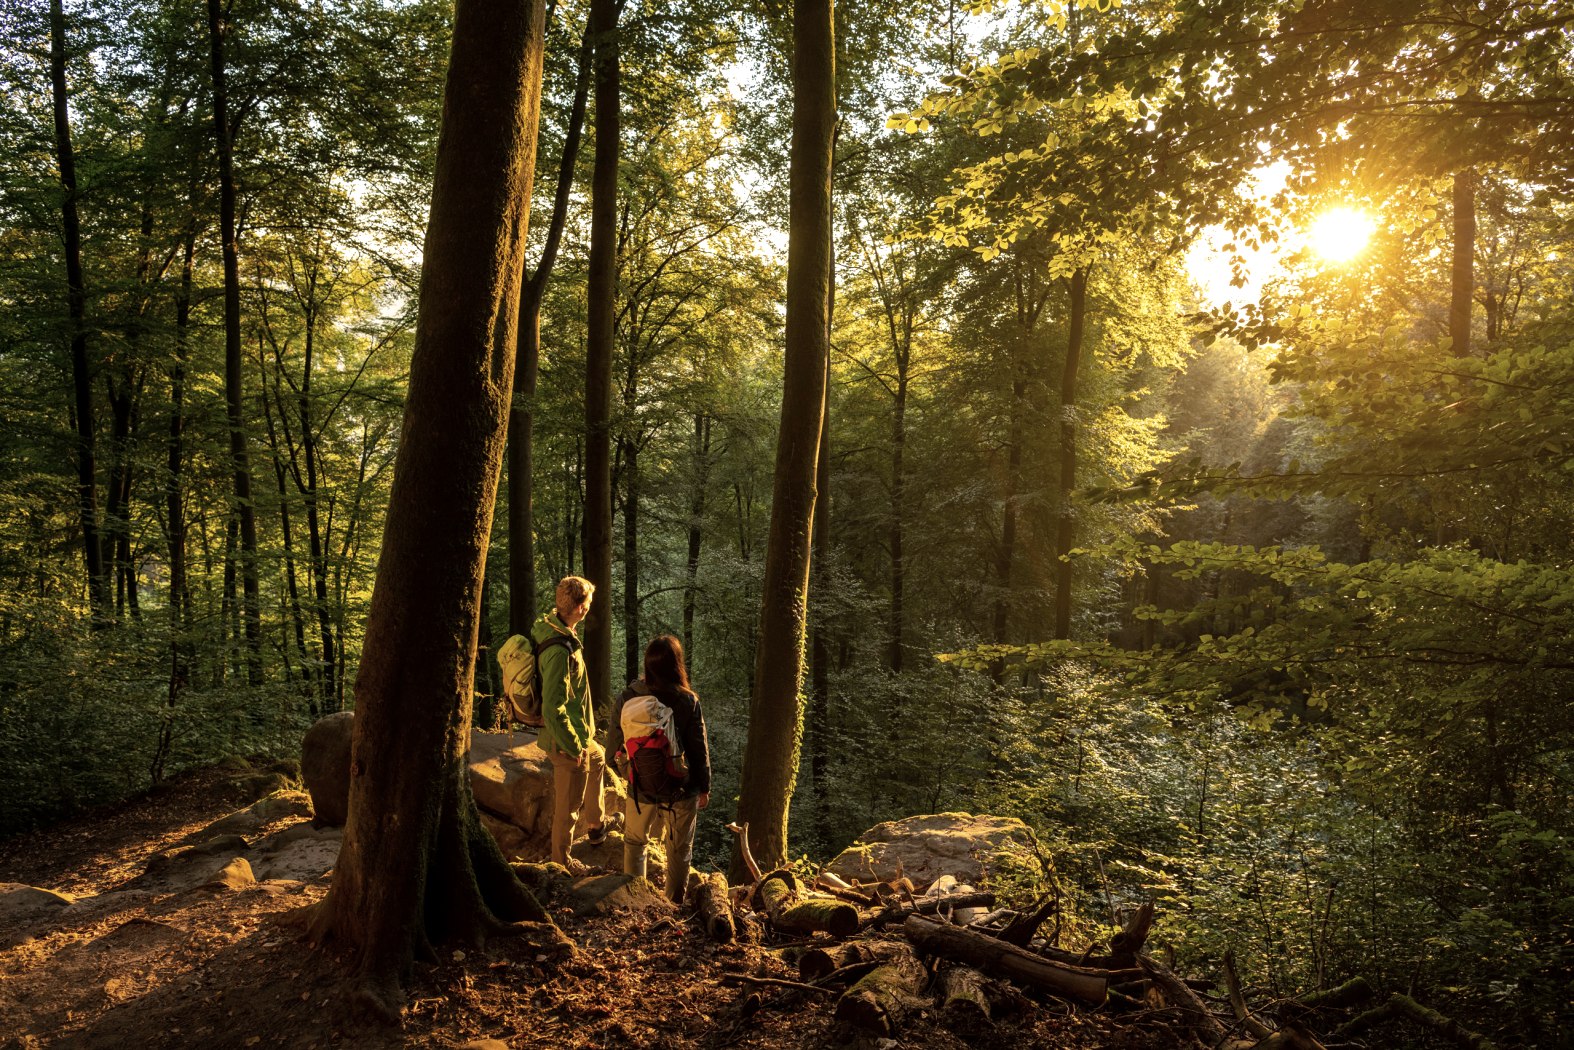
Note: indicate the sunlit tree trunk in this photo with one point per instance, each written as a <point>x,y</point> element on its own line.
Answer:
<point>416,866</point>
<point>770,757</point>
<point>76,299</point>
<point>601,294</point>
<point>1066,525</point>
<point>245,508</point>
<point>521,416</point>
<point>1463,268</point>
<point>820,729</point>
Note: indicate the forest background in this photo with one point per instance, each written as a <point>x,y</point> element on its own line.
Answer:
<point>1261,608</point>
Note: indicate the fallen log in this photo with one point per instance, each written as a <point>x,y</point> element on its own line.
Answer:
<point>926,906</point>
<point>1351,993</point>
<point>964,999</point>
<point>1403,1006</point>
<point>1179,995</point>
<point>714,909</point>
<point>817,963</point>
<point>993,955</point>
<point>884,997</point>
<point>777,897</point>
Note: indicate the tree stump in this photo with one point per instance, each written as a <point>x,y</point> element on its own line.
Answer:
<point>878,1003</point>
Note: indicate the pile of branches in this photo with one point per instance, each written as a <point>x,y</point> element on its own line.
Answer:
<point>888,956</point>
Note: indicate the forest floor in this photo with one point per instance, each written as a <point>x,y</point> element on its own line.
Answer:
<point>130,967</point>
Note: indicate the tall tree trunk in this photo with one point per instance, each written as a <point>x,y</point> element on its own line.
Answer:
<point>602,308</point>
<point>76,301</point>
<point>819,646</point>
<point>770,757</point>
<point>416,865</point>
<point>521,416</point>
<point>1066,525</point>
<point>1463,275</point>
<point>702,430</point>
<point>310,489</point>
<point>245,508</point>
<point>897,535</point>
<point>631,629</point>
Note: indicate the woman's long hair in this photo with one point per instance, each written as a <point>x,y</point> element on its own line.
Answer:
<point>664,667</point>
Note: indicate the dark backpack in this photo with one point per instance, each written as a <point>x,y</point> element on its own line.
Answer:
<point>657,769</point>
<point>520,659</point>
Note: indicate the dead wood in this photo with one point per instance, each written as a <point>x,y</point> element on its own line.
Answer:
<point>777,896</point>
<point>1176,993</point>
<point>1351,993</point>
<point>995,956</point>
<point>883,997</point>
<point>714,909</point>
<point>925,906</point>
<point>1020,930</point>
<point>773,982</point>
<point>964,999</point>
<point>1126,945</point>
<point>1232,986</point>
<point>1403,1006</point>
<point>816,963</point>
<point>749,863</point>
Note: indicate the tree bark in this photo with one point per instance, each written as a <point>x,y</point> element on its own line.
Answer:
<point>714,909</point>
<point>702,432</point>
<point>245,507</point>
<point>416,864</point>
<point>770,757</point>
<point>600,324</point>
<point>1463,269</point>
<point>76,301</point>
<point>883,997</point>
<point>993,955</point>
<point>1066,530</point>
<point>631,633</point>
<point>820,648</point>
<point>521,415</point>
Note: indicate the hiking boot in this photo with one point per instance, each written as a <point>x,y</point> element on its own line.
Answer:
<point>597,835</point>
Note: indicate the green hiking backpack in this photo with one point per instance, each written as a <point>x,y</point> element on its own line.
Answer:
<point>519,658</point>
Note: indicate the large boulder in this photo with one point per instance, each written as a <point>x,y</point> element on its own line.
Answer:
<point>981,850</point>
<point>325,767</point>
<point>511,778</point>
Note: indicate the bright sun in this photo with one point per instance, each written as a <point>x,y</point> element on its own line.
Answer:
<point>1339,234</point>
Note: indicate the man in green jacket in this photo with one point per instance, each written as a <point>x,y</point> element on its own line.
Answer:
<point>569,735</point>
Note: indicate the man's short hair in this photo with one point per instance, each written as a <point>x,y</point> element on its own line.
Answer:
<point>573,591</point>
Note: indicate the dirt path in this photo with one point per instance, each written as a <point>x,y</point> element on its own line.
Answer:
<point>139,962</point>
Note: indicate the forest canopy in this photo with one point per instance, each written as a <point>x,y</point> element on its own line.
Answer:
<point>1194,482</point>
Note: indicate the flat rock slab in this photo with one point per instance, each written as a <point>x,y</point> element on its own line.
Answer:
<point>605,894</point>
<point>258,815</point>
<point>981,850</point>
<point>18,901</point>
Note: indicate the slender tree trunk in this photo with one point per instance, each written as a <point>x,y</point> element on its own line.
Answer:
<point>1463,276</point>
<point>702,427</point>
<point>820,728</point>
<point>1066,525</point>
<point>631,630</point>
<point>76,299</point>
<point>245,507</point>
<point>602,307</point>
<point>416,865</point>
<point>770,757</point>
<point>898,516</point>
<point>521,447</point>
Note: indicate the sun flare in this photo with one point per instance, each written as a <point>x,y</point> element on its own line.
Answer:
<point>1339,234</point>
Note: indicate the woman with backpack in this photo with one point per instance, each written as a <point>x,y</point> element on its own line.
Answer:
<point>658,737</point>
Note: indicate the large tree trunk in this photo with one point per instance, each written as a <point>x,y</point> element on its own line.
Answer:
<point>76,299</point>
<point>770,757</point>
<point>1463,276</point>
<point>602,296</point>
<point>1066,526</point>
<point>245,508</point>
<point>417,865</point>
<point>521,416</point>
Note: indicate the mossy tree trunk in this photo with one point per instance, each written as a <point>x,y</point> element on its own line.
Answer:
<point>770,757</point>
<point>416,866</point>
